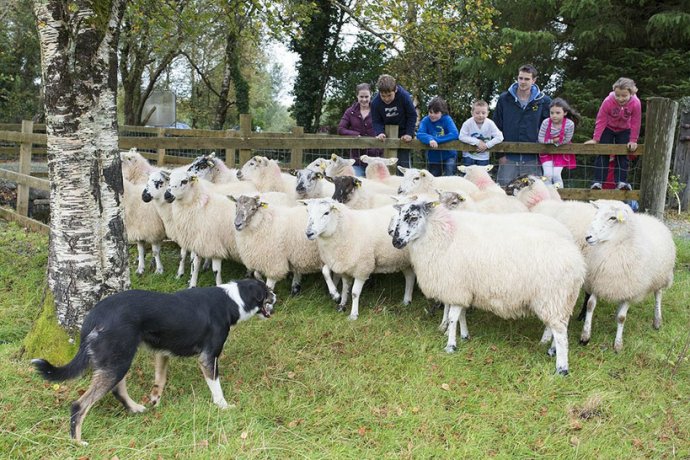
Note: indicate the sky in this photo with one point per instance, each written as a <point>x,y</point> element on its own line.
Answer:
<point>279,52</point>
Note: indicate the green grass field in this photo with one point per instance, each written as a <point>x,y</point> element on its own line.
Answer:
<point>308,383</point>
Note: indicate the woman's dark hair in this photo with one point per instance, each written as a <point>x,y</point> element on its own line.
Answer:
<point>437,104</point>
<point>362,87</point>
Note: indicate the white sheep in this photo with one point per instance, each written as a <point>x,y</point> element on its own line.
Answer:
<point>479,176</point>
<point>377,170</point>
<point>496,204</point>
<point>416,181</point>
<point>266,176</point>
<point>135,168</point>
<point>339,166</point>
<point>464,258</point>
<point>143,225</point>
<point>271,240</point>
<point>355,244</point>
<point>312,184</point>
<point>631,256</point>
<point>203,222</point>
<point>213,169</point>
<point>318,165</point>
<point>349,190</point>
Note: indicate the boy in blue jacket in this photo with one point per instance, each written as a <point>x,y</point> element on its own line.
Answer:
<point>436,128</point>
<point>519,113</point>
<point>393,106</point>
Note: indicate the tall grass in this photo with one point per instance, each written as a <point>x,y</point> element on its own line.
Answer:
<point>308,383</point>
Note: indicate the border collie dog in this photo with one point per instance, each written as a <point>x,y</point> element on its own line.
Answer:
<point>192,322</point>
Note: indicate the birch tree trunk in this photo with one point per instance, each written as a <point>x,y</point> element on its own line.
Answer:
<point>88,247</point>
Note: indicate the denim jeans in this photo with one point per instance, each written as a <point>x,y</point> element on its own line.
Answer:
<point>601,162</point>
<point>359,170</point>
<point>510,169</point>
<point>446,168</point>
<point>403,159</point>
<point>469,161</point>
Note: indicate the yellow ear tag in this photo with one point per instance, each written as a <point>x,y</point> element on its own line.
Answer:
<point>263,205</point>
<point>358,183</point>
<point>193,179</point>
<point>435,203</point>
<point>620,216</point>
<point>334,157</point>
<point>322,166</point>
<point>422,174</point>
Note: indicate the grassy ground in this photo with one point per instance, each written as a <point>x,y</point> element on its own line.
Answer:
<point>307,383</point>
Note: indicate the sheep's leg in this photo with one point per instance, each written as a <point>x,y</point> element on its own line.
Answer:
<point>583,311</point>
<point>156,250</point>
<point>409,285</point>
<point>620,317</point>
<point>560,340</point>
<point>217,267</point>
<point>208,263</point>
<point>453,317</point>
<point>443,327</point>
<point>356,291</point>
<point>141,250</point>
<point>194,278</point>
<point>343,296</point>
<point>462,319</point>
<point>587,328</point>
<point>271,283</point>
<point>180,267</point>
<point>296,287</point>
<point>547,337</point>
<point>657,309</point>
<point>332,288</point>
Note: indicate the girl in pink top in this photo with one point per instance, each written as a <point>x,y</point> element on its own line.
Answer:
<point>618,122</point>
<point>558,129</point>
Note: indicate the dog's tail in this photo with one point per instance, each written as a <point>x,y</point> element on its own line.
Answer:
<point>71,370</point>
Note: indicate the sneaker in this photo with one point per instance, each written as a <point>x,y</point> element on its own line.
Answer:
<point>596,186</point>
<point>623,186</point>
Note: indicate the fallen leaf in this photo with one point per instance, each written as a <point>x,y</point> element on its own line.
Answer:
<point>415,410</point>
<point>203,443</point>
<point>362,430</point>
<point>445,386</point>
<point>575,441</point>
<point>638,443</point>
<point>575,425</point>
<point>244,435</point>
<point>291,375</point>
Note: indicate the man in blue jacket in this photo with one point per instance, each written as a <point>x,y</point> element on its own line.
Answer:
<point>519,113</point>
<point>393,106</point>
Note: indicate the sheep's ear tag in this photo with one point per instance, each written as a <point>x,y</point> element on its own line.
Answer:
<point>620,216</point>
<point>193,179</point>
<point>434,203</point>
<point>263,204</point>
<point>322,166</point>
<point>422,174</point>
<point>334,157</point>
<point>358,183</point>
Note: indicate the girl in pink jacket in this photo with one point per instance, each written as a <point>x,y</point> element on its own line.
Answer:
<point>618,122</point>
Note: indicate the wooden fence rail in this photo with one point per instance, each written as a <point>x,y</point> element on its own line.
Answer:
<point>661,119</point>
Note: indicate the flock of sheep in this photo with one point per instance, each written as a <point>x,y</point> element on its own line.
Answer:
<point>465,241</point>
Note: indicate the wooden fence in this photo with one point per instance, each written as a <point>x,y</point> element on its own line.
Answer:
<point>661,120</point>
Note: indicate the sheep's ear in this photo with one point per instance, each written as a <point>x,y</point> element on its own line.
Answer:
<point>402,170</point>
<point>212,155</point>
<point>292,171</point>
<point>462,169</point>
<point>461,197</point>
<point>351,161</point>
<point>395,198</point>
<point>364,158</point>
<point>422,173</point>
<point>329,179</point>
<point>166,175</point>
<point>232,198</point>
<point>392,161</point>
<point>489,167</point>
<point>304,202</point>
<point>557,185</point>
<point>431,205</point>
<point>334,157</point>
<point>323,165</point>
<point>358,183</point>
<point>439,192</point>
<point>319,175</point>
<point>594,203</point>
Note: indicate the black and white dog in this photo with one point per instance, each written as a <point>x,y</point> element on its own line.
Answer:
<point>186,323</point>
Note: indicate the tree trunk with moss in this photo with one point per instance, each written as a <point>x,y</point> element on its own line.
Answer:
<point>88,249</point>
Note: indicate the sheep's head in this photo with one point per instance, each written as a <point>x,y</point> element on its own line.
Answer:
<point>256,166</point>
<point>377,167</point>
<point>247,207</point>
<point>452,200</point>
<point>318,165</point>
<point>321,217</point>
<point>307,181</point>
<point>179,184</point>
<point>339,166</point>
<point>156,185</point>
<point>414,180</point>
<point>411,221</point>
<point>609,218</point>
<point>203,165</point>
<point>345,187</point>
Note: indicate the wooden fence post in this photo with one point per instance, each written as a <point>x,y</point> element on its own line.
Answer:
<point>681,165</point>
<point>24,168</point>
<point>660,129</point>
<point>161,152</point>
<point>391,133</point>
<point>245,131</point>
<point>229,154</point>
<point>297,154</point>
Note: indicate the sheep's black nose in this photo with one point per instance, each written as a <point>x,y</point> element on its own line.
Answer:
<point>146,196</point>
<point>169,197</point>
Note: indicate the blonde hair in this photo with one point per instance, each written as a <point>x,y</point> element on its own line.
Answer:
<point>625,83</point>
<point>479,103</point>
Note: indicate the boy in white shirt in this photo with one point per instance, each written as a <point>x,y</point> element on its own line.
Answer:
<point>480,131</point>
